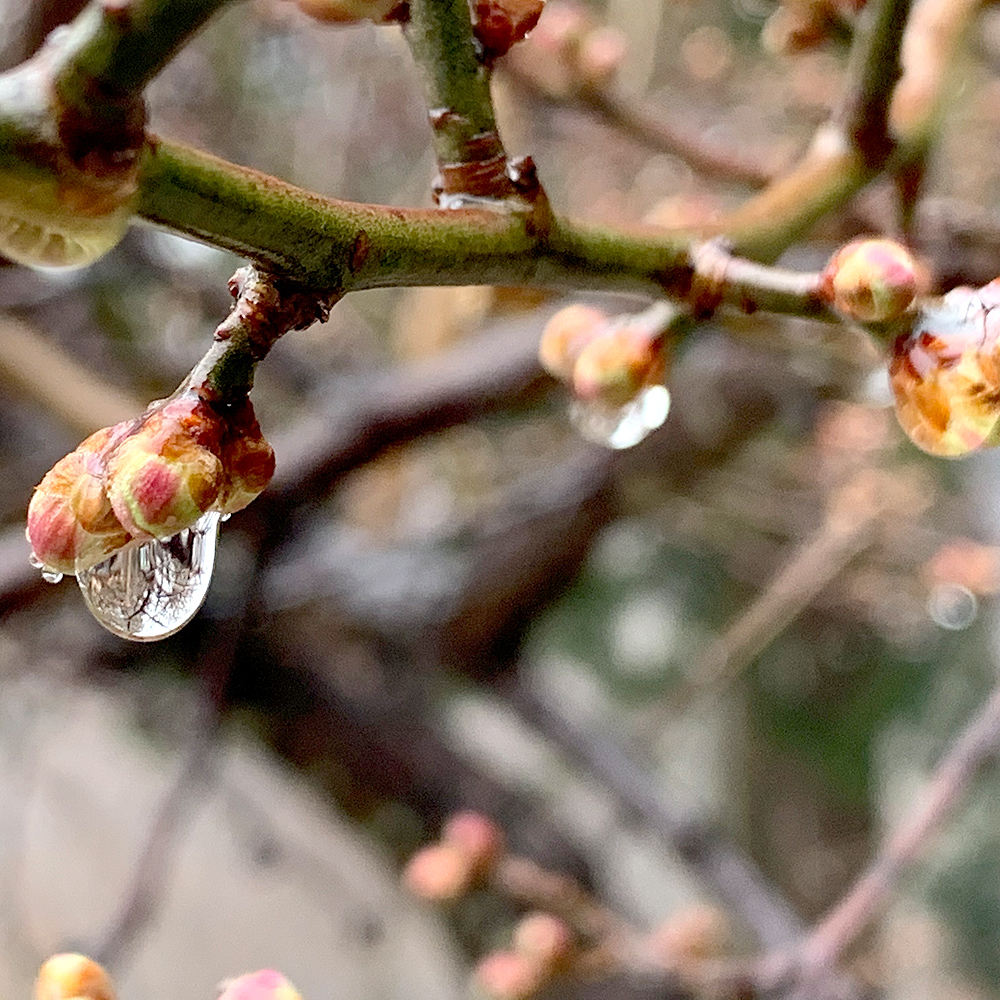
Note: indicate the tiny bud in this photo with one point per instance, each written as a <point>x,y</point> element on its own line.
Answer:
<point>267,984</point>
<point>165,475</point>
<point>505,975</point>
<point>544,938</point>
<point>439,873</point>
<point>600,55</point>
<point>500,24</point>
<point>477,837</point>
<point>72,977</point>
<point>692,935</point>
<point>872,281</point>
<point>615,367</point>
<point>565,336</point>
<point>70,522</point>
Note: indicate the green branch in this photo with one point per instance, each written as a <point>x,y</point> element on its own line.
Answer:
<point>470,155</point>
<point>341,246</point>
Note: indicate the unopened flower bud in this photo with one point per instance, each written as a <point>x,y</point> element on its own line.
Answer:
<point>439,873</point>
<point>945,373</point>
<point>72,977</point>
<point>477,837</point>
<point>616,366</point>
<point>267,984</point>
<point>162,478</point>
<point>692,935</point>
<point>71,524</point>
<point>506,975</point>
<point>872,281</point>
<point>247,459</point>
<point>544,938</point>
<point>499,24</point>
<point>565,336</point>
<point>600,55</point>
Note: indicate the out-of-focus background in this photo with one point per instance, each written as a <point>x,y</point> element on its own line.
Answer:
<point>753,634</point>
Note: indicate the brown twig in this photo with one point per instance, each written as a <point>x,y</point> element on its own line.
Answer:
<point>830,939</point>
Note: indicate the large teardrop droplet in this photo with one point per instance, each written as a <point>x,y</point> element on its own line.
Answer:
<point>621,426</point>
<point>149,591</point>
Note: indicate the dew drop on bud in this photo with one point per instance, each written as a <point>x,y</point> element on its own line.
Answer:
<point>50,576</point>
<point>35,562</point>
<point>149,591</point>
<point>952,606</point>
<point>621,426</point>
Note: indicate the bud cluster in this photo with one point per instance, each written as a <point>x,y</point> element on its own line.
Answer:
<point>147,478</point>
<point>543,946</point>
<point>469,850</point>
<point>608,362</point>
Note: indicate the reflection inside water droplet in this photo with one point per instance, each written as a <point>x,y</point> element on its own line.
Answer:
<point>150,591</point>
<point>952,606</point>
<point>625,426</point>
<point>35,561</point>
<point>49,576</point>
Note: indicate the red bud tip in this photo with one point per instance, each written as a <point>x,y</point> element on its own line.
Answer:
<point>72,977</point>
<point>267,984</point>
<point>505,975</point>
<point>872,281</point>
<point>500,24</point>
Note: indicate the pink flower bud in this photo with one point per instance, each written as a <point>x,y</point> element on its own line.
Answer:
<point>477,837</point>
<point>544,938</point>
<point>565,336</point>
<point>72,977</point>
<point>267,984</point>
<point>165,475</point>
<point>615,367</point>
<point>439,873</point>
<point>247,459</point>
<point>506,975</point>
<point>872,281</point>
<point>71,523</point>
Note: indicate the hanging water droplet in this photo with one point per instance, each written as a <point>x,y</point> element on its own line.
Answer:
<point>149,591</point>
<point>952,606</point>
<point>35,561</point>
<point>49,576</point>
<point>622,426</point>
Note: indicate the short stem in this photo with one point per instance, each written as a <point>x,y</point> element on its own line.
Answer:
<point>267,307</point>
<point>470,155</point>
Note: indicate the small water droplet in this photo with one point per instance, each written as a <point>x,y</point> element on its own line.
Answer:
<point>225,517</point>
<point>625,426</point>
<point>35,561</point>
<point>952,606</point>
<point>49,576</point>
<point>149,591</point>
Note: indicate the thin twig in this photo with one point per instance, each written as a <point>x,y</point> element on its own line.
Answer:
<point>734,877</point>
<point>975,746</point>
